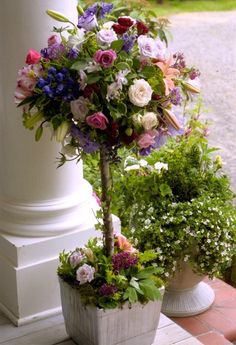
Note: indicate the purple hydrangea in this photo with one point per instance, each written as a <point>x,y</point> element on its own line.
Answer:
<point>175,96</point>
<point>87,145</point>
<point>107,290</point>
<point>123,260</point>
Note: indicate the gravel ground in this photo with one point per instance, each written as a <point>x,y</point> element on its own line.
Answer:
<point>208,40</point>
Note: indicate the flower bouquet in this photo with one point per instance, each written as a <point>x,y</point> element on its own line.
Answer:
<point>105,82</point>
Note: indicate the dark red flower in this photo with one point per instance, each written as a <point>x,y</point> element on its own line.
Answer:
<point>89,90</point>
<point>142,28</point>
<point>125,21</point>
<point>119,29</point>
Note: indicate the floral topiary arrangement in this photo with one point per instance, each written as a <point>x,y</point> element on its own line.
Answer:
<point>103,83</point>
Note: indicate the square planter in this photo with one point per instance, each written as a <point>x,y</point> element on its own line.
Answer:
<point>88,325</point>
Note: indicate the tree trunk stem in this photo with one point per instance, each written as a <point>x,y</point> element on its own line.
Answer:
<point>106,201</point>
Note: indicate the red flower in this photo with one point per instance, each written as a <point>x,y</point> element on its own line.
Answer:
<point>142,28</point>
<point>119,29</point>
<point>32,57</point>
<point>89,90</point>
<point>125,21</point>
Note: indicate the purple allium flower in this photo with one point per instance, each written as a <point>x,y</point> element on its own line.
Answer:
<point>87,145</point>
<point>128,42</point>
<point>107,290</point>
<point>175,96</point>
<point>123,260</point>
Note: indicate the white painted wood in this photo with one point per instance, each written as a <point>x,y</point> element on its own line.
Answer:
<point>170,335</point>
<point>47,336</point>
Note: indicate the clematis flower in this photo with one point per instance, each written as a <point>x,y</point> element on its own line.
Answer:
<point>170,73</point>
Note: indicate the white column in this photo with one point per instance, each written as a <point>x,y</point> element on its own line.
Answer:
<point>43,210</point>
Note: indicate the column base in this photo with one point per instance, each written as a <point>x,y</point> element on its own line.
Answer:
<point>29,288</point>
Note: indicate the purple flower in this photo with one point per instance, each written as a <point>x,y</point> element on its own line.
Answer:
<point>194,73</point>
<point>87,145</point>
<point>175,96</point>
<point>87,21</point>
<point>180,61</point>
<point>128,42</point>
<point>54,51</point>
<point>72,54</point>
<point>146,151</point>
<point>107,290</point>
<point>99,9</point>
<point>123,260</point>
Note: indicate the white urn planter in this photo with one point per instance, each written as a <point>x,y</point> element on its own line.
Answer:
<point>88,325</point>
<point>186,294</point>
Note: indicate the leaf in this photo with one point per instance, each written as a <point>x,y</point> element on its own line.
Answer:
<point>122,65</point>
<point>133,282</point>
<point>91,79</point>
<point>147,272</point>
<point>148,72</point>
<point>38,133</point>
<point>165,189</point>
<point>117,45</point>
<point>149,289</point>
<point>78,65</point>
<point>30,121</point>
<point>57,16</point>
<point>131,295</point>
<point>122,108</point>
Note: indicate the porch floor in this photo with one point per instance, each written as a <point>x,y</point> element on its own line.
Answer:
<point>217,326</point>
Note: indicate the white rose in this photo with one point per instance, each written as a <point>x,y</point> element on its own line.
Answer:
<point>149,121</point>
<point>85,274</point>
<point>79,108</point>
<point>75,259</point>
<point>140,93</point>
<point>150,48</point>
<point>106,36</point>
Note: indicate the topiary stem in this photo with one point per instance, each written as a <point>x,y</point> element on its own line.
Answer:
<point>106,201</point>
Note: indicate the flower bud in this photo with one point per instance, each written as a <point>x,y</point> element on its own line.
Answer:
<point>171,119</point>
<point>129,132</point>
<point>61,131</point>
<point>191,87</point>
<point>80,10</point>
<point>57,16</point>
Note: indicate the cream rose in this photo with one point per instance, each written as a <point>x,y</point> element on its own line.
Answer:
<point>140,93</point>
<point>79,108</point>
<point>149,121</point>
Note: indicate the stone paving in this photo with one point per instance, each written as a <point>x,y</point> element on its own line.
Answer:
<point>208,40</point>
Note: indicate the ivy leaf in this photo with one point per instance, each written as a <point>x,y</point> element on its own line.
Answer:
<point>117,45</point>
<point>122,65</point>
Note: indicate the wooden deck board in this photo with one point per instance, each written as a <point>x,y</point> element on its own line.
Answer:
<point>52,331</point>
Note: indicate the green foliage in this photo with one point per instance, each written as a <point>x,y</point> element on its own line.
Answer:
<point>109,288</point>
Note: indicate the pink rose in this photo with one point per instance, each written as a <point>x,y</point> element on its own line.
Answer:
<point>32,57</point>
<point>147,139</point>
<point>97,120</point>
<point>105,58</point>
<point>53,39</point>
<point>85,274</point>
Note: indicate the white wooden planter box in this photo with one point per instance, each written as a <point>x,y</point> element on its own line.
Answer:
<point>88,325</point>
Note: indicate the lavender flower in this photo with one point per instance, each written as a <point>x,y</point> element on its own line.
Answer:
<point>107,290</point>
<point>72,54</point>
<point>175,96</point>
<point>87,21</point>
<point>128,42</point>
<point>123,260</point>
<point>145,151</point>
<point>84,140</point>
<point>180,61</point>
<point>100,9</point>
<point>194,73</point>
